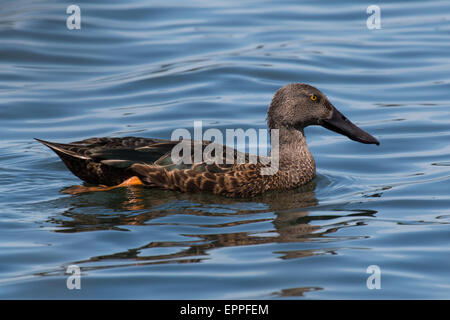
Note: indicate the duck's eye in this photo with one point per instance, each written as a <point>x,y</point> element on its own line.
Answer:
<point>313,97</point>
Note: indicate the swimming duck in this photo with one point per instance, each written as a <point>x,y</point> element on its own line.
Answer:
<point>118,162</point>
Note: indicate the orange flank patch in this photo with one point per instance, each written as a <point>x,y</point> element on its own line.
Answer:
<point>133,181</point>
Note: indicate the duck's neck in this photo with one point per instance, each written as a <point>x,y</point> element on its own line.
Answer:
<point>293,150</point>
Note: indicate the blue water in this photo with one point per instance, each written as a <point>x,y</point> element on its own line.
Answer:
<point>145,68</point>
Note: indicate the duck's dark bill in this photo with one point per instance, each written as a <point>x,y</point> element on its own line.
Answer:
<point>340,124</point>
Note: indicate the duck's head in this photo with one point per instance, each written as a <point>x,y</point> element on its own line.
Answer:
<point>299,105</point>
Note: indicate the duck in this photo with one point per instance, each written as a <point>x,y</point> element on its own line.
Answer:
<point>114,162</point>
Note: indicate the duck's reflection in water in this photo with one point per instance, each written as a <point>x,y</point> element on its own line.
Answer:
<point>283,213</point>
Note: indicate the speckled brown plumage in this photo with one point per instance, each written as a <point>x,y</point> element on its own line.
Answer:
<point>110,161</point>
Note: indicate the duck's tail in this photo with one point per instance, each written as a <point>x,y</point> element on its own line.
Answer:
<point>77,159</point>
<point>64,150</point>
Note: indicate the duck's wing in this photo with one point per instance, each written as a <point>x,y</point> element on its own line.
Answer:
<point>226,176</point>
<point>114,151</point>
<point>107,160</point>
<point>229,173</point>
<point>110,161</point>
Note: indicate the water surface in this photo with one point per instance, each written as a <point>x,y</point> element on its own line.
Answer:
<point>145,68</point>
